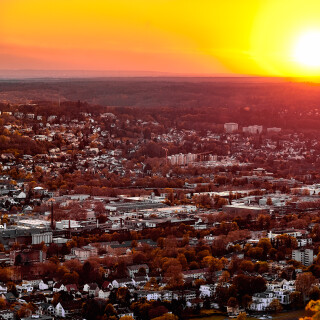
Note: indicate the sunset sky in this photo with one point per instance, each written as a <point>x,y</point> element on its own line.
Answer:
<point>254,37</point>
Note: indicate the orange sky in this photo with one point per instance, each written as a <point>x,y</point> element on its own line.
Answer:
<point>254,37</point>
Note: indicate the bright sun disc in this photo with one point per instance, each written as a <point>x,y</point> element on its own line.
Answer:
<point>307,49</point>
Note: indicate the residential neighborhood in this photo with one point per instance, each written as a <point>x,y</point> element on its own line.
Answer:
<point>112,215</point>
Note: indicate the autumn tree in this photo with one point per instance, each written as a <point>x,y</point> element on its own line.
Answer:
<point>173,276</point>
<point>248,284</point>
<point>242,316</point>
<point>232,302</point>
<point>266,245</point>
<point>304,283</point>
<point>3,304</point>
<point>247,265</point>
<point>314,307</point>
<point>275,306</point>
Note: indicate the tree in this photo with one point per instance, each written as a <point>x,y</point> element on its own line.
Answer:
<point>5,274</point>
<point>249,285</point>
<point>304,283</point>
<point>246,301</point>
<point>11,287</point>
<point>3,304</point>
<point>70,278</point>
<point>26,310</point>
<point>151,284</point>
<point>157,311</point>
<point>275,306</point>
<point>94,309</point>
<point>261,266</point>
<point>225,276</point>
<point>232,302</point>
<point>173,276</point>
<point>222,295</point>
<point>100,208</point>
<point>265,244</point>
<point>247,265</point>
<point>296,300</point>
<point>110,310</point>
<point>313,306</point>
<point>269,202</point>
<point>242,316</point>
<point>314,293</point>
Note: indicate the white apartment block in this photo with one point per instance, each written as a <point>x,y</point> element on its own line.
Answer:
<point>231,127</point>
<point>303,256</point>
<point>253,129</point>
<point>182,159</point>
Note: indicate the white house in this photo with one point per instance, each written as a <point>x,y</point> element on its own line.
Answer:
<point>103,294</point>
<point>206,290</point>
<point>262,300</point>
<point>59,287</point>
<point>43,285</point>
<point>66,308</point>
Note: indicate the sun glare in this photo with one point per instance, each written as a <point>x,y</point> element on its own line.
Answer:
<point>307,49</point>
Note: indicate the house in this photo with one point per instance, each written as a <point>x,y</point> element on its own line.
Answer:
<point>132,270</point>
<point>206,290</point>
<point>43,285</point>
<point>46,308</point>
<point>151,295</point>
<point>103,294</point>
<point>140,281</point>
<point>92,289</point>
<point>107,286</point>
<point>7,314</point>
<point>233,311</point>
<point>262,300</point>
<point>21,196</point>
<point>195,302</point>
<point>59,287</point>
<point>24,288</point>
<point>31,282</point>
<point>117,283</point>
<point>9,297</point>
<point>195,274</point>
<point>66,308</point>
<point>186,295</point>
<point>124,312</point>
<point>3,288</point>
<point>84,253</point>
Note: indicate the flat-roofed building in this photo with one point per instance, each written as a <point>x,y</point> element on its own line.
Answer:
<point>231,127</point>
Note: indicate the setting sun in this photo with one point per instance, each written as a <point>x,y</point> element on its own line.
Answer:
<point>307,49</point>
